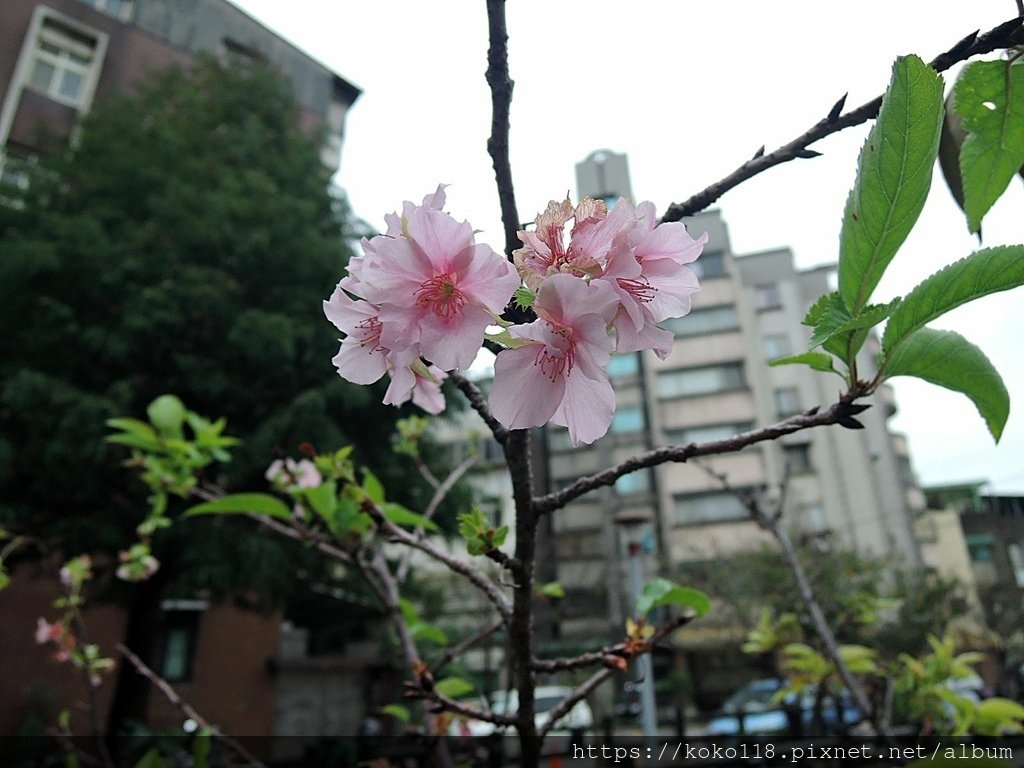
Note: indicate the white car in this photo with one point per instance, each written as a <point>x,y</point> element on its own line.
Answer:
<point>547,697</point>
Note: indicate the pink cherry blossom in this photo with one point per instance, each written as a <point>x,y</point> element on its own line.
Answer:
<point>420,383</point>
<point>594,230</point>
<point>436,285</point>
<point>47,632</point>
<point>558,374</point>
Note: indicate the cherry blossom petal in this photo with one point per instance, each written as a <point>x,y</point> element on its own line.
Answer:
<point>522,395</point>
<point>586,409</point>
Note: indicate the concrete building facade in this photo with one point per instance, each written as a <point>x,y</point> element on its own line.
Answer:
<point>58,56</point>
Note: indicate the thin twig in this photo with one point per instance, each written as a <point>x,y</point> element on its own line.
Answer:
<point>187,709</point>
<point>607,655</point>
<point>457,650</point>
<point>479,404</point>
<point>471,572</point>
<point>441,491</point>
<point>839,411</point>
<point>425,473</point>
<point>999,37</point>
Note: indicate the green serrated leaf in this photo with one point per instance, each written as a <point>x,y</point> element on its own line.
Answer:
<point>830,313</point>
<point>396,711</point>
<point>989,98</point>
<point>947,359</point>
<point>982,273</point>
<point>893,179</point>
<point>134,441</point>
<point>500,534</point>
<point>243,503</point>
<point>399,515</point>
<point>167,414</point>
<point>472,524</point>
<point>658,592</point>
<point>817,310</point>
<point>453,687</point>
<point>819,361</point>
<point>524,297</point>
<point>373,487</point>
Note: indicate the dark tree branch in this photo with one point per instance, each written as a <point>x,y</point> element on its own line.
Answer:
<point>1002,36</point>
<point>186,709</point>
<point>479,404</point>
<point>837,413</point>
<point>501,100</point>
<point>607,656</point>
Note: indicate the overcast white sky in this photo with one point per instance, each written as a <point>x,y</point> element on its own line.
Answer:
<point>689,91</point>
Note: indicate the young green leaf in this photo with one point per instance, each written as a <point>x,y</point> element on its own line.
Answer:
<point>658,592</point>
<point>373,487</point>
<point>201,749</point>
<point>167,414</point>
<point>421,630</point>
<point>989,98</point>
<point>453,687</point>
<point>987,271</point>
<point>819,361</point>
<point>399,515</point>
<point>893,179</point>
<point>552,590</point>
<point>947,359</point>
<point>396,711</point>
<point>323,499</point>
<point>243,503</point>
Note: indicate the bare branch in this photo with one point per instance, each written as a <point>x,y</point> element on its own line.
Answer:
<point>458,707</point>
<point>305,535</point>
<point>578,694</point>
<point>835,414</point>
<point>187,709</point>
<point>473,574</point>
<point>457,650</point>
<point>441,491</point>
<point>607,655</point>
<point>501,101</point>
<point>479,404</point>
<point>1002,36</point>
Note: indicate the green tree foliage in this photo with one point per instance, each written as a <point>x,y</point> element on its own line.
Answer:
<point>183,244</point>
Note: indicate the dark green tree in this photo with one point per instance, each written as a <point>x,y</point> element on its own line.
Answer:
<point>181,244</point>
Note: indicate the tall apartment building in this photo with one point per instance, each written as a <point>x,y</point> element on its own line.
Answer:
<point>855,488</point>
<point>58,56</point>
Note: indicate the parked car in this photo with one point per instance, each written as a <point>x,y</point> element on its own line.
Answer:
<point>546,698</point>
<point>763,714</point>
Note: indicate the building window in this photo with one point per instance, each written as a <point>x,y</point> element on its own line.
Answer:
<point>767,296</point>
<point>708,508</point>
<point>62,63</point>
<point>704,320</point>
<point>701,381</point>
<point>798,458</point>
<point>979,547</point>
<point>787,401</point>
<point>709,264</point>
<point>706,433</point>
<point>629,418</point>
<point>634,482</point>
<point>776,345</point>
<point>623,365</point>
<point>122,9</point>
<point>178,646</point>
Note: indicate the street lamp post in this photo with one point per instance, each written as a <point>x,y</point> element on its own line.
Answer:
<point>631,523</point>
